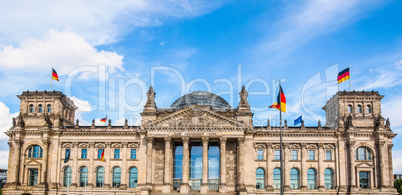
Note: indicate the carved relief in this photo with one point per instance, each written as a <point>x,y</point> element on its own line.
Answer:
<point>231,162</point>
<point>160,160</point>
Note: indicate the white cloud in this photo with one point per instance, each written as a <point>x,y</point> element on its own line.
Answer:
<point>4,159</point>
<point>315,17</point>
<point>99,22</point>
<point>63,50</point>
<point>83,106</point>
<point>397,161</point>
<point>392,109</point>
<point>6,121</point>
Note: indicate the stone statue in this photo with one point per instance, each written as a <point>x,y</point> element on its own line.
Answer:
<point>126,123</point>
<point>48,121</point>
<point>319,123</point>
<point>14,122</point>
<point>387,123</point>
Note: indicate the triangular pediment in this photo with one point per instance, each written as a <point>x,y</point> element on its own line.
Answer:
<point>364,165</point>
<point>33,162</point>
<point>194,117</point>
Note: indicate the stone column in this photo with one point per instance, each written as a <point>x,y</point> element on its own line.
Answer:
<point>286,170</point>
<point>74,168</point>
<point>269,169</point>
<point>381,156</point>
<point>303,167</point>
<point>185,188</point>
<point>204,186</point>
<point>44,163</point>
<point>240,164</point>
<point>124,171</point>
<point>351,166</point>
<point>107,155</point>
<point>14,162</point>
<point>222,186</point>
<point>149,160</point>
<point>91,168</point>
<point>391,171</point>
<point>320,172</point>
<point>168,168</point>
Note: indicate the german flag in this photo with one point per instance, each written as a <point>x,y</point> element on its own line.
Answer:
<point>104,119</point>
<point>343,75</point>
<point>281,98</point>
<point>54,75</point>
<point>103,156</point>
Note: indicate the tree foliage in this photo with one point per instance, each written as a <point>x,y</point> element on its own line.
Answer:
<point>398,185</point>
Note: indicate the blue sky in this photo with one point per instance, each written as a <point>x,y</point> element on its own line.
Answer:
<point>107,55</point>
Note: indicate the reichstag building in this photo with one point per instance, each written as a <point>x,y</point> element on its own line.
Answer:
<point>199,145</point>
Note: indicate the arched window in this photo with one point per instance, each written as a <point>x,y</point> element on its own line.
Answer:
<point>67,176</point>
<point>133,177</point>
<point>311,178</point>
<point>260,178</point>
<point>277,178</point>
<point>329,178</point>
<point>294,178</point>
<point>99,176</point>
<point>363,153</point>
<point>359,109</point>
<point>31,108</point>
<point>350,109</point>
<point>35,151</point>
<point>116,177</point>
<point>40,108</point>
<point>84,176</point>
<point>49,108</point>
<point>368,109</point>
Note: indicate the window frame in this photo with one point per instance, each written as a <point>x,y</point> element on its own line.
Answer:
<point>84,155</point>
<point>260,154</point>
<point>100,150</point>
<point>295,156</point>
<point>116,153</point>
<point>260,177</point>
<point>277,156</point>
<point>313,155</point>
<point>133,154</point>
<point>326,154</point>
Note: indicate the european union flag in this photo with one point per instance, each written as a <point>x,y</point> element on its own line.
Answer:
<point>67,157</point>
<point>298,120</point>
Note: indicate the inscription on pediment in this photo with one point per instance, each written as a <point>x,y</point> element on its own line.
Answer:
<point>194,118</point>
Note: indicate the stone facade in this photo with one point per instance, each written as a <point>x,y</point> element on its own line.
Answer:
<point>351,154</point>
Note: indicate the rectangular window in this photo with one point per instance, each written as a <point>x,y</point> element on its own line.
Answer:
<point>116,153</point>
<point>294,155</point>
<point>311,155</point>
<point>277,155</point>
<point>260,155</point>
<point>100,151</point>
<point>67,153</point>
<point>133,154</point>
<point>364,180</point>
<point>33,177</point>
<point>83,153</point>
<point>328,155</point>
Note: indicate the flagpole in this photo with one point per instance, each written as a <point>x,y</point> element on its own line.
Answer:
<point>281,147</point>
<point>350,81</point>
<point>51,78</point>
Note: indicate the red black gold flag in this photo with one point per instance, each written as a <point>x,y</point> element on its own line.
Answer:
<point>343,75</point>
<point>104,119</point>
<point>103,156</point>
<point>54,75</point>
<point>281,98</point>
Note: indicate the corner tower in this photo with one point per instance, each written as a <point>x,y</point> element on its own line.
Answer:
<point>354,109</point>
<point>41,108</point>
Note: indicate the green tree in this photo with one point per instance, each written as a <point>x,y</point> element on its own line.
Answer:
<point>398,185</point>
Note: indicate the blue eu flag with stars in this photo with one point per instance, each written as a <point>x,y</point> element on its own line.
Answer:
<point>298,120</point>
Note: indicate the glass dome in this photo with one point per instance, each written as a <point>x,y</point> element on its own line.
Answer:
<point>202,98</point>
